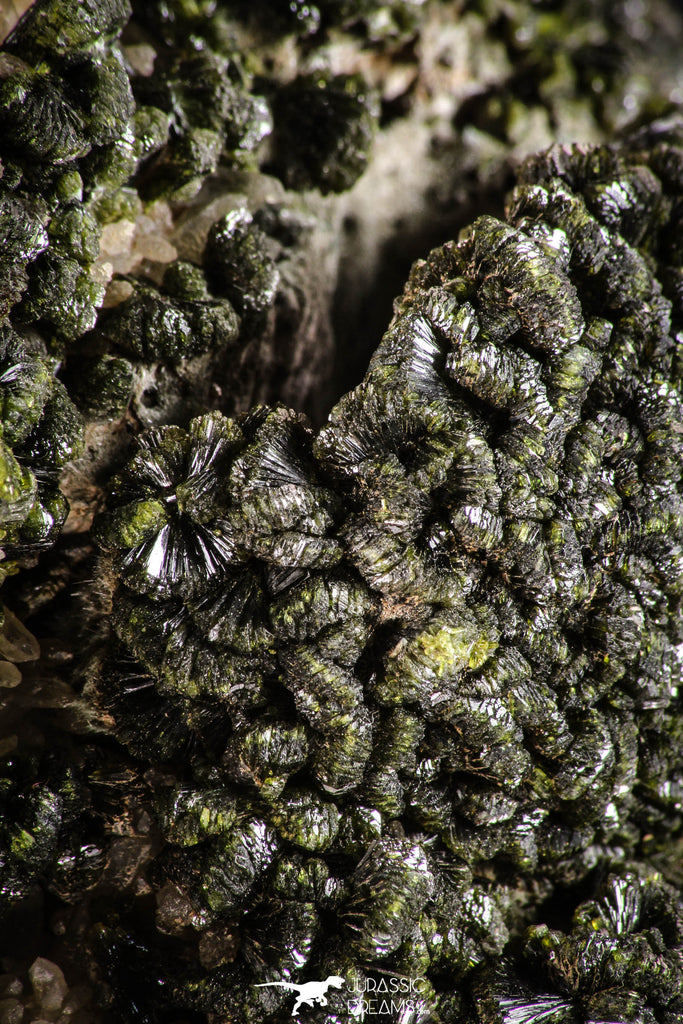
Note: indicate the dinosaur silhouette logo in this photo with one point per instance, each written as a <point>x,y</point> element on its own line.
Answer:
<point>311,993</point>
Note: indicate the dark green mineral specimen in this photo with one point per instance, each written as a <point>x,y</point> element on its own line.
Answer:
<point>394,698</point>
<point>40,432</point>
<point>621,961</point>
<point>323,131</point>
<point>40,830</point>
<point>437,648</point>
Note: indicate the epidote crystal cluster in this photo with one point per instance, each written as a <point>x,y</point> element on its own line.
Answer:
<point>369,701</point>
<point>440,640</point>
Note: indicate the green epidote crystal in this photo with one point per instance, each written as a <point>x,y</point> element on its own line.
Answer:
<point>53,28</point>
<point>42,830</point>
<point>102,387</point>
<point>65,101</point>
<point>191,815</point>
<point>152,326</point>
<point>440,640</point>
<point>41,431</point>
<point>621,961</point>
<point>323,131</point>
<point>23,220</point>
<point>238,265</point>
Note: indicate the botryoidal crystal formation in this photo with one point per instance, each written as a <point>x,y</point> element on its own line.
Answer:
<point>432,654</point>
<point>384,691</point>
<point>620,961</point>
<point>41,432</point>
<point>108,106</point>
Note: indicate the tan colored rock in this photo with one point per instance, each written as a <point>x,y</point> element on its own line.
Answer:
<point>10,12</point>
<point>11,1011</point>
<point>49,985</point>
<point>16,643</point>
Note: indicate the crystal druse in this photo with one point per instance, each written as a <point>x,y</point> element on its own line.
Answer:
<point>395,698</point>
<point>442,637</point>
